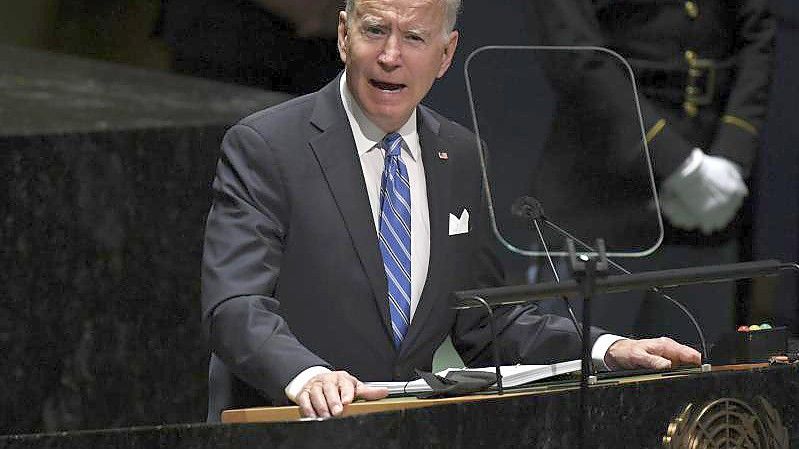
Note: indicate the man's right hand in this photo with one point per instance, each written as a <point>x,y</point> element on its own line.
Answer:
<point>326,394</point>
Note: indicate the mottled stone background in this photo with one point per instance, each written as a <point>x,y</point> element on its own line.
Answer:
<point>105,174</point>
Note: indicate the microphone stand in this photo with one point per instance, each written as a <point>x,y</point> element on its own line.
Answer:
<point>591,284</point>
<point>585,270</point>
<point>673,301</point>
<point>531,209</point>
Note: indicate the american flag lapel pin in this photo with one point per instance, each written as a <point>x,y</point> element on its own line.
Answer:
<point>443,155</point>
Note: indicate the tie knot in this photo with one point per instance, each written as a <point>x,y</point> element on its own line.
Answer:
<point>392,143</point>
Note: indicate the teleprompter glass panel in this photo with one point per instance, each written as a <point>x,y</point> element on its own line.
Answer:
<point>562,125</point>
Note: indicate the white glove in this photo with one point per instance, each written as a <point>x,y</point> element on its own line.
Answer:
<point>710,188</point>
<point>677,212</point>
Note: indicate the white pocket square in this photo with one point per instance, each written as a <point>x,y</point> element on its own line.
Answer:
<point>459,225</point>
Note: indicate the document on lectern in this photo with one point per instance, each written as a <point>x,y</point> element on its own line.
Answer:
<point>512,376</point>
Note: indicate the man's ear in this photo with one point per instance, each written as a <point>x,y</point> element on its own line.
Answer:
<point>449,52</point>
<point>343,36</point>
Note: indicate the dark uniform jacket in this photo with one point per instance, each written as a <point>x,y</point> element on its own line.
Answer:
<point>702,67</point>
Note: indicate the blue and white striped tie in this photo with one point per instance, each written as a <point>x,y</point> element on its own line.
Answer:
<point>395,235</point>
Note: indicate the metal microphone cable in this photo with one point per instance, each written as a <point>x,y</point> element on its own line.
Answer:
<point>615,265</point>
<point>530,208</point>
<point>557,279</point>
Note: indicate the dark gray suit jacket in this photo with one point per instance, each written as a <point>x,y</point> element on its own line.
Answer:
<point>292,273</point>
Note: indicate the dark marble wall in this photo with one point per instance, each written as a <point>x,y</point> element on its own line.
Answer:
<point>105,174</point>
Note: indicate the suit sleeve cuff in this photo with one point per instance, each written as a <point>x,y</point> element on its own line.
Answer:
<point>600,349</point>
<point>294,388</point>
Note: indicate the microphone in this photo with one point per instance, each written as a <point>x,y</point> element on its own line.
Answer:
<point>531,209</point>
<point>528,207</point>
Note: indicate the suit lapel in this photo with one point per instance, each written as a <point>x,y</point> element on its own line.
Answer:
<point>335,150</point>
<point>437,180</point>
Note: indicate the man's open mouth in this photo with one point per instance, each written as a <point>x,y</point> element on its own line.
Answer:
<point>385,86</point>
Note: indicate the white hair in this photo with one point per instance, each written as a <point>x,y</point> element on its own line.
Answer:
<point>452,8</point>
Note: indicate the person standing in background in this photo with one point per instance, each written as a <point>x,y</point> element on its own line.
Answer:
<point>703,69</point>
<point>287,46</point>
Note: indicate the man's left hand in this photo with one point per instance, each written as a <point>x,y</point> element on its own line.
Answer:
<point>657,353</point>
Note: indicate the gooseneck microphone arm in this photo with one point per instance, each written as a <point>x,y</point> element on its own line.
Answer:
<point>530,208</point>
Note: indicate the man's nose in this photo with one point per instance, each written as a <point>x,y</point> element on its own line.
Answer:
<point>391,55</point>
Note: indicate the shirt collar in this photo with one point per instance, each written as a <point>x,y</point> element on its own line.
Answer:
<point>367,134</point>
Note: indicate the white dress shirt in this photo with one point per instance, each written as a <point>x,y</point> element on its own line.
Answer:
<point>367,137</point>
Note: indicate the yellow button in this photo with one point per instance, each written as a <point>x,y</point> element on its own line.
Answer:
<point>692,9</point>
<point>690,55</point>
<point>690,109</point>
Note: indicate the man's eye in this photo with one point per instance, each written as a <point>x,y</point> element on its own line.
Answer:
<point>414,38</point>
<point>373,31</point>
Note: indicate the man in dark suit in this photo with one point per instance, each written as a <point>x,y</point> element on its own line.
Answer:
<point>343,219</point>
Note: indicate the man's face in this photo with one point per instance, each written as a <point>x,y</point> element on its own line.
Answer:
<point>393,50</point>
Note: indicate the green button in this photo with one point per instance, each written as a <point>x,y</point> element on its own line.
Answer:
<point>692,10</point>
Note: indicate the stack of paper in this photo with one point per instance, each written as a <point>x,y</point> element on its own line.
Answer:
<point>512,376</point>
